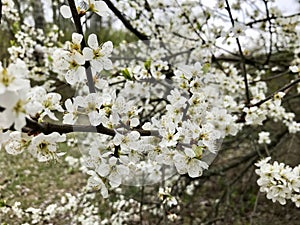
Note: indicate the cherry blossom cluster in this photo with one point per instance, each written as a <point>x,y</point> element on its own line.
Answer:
<point>9,10</point>
<point>18,100</point>
<point>71,60</point>
<point>42,147</point>
<point>280,182</point>
<point>181,138</point>
<point>98,7</point>
<point>165,106</point>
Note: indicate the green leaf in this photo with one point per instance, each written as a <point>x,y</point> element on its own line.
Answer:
<point>147,64</point>
<point>198,151</point>
<point>206,67</point>
<point>12,42</point>
<point>2,203</point>
<point>50,59</point>
<point>126,74</point>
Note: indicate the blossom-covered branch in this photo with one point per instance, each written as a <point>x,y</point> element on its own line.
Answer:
<point>76,17</point>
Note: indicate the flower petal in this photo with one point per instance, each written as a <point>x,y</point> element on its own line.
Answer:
<point>101,8</point>
<point>88,53</point>
<point>65,11</point>
<point>77,38</point>
<point>107,48</point>
<point>95,118</point>
<point>93,41</point>
<point>79,59</point>
<point>107,64</point>
<point>97,65</point>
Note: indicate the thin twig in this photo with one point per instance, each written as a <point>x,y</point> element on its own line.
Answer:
<point>254,208</point>
<point>271,17</point>
<point>270,32</point>
<point>279,90</point>
<point>272,77</point>
<point>125,22</point>
<point>243,64</point>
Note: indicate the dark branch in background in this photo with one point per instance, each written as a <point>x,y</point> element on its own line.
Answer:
<point>270,32</point>
<point>0,11</point>
<point>76,18</point>
<point>286,72</point>
<point>286,87</point>
<point>125,22</point>
<point>279,90</point>
<point>270,18</point>
<point>234,163</point>
<point>243,64</point>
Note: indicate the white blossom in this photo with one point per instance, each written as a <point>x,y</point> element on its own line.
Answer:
<point>264,138</point>
<point>188,163</point>
<point>98,55</point>
<point>15,110</point>
<point>43,147</point>
<point>14,77</point>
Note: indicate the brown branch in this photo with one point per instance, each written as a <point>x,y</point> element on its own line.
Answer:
<point>270,32</point>
<point>272,77</point>
<point>279,90</point>
<point>125,22</point>
<point>235,60</point>
<point>47,128</point>
<point>0,10</point>
<point>270,18</point>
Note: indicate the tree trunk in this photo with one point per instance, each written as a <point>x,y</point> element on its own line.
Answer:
<point>38,14</point>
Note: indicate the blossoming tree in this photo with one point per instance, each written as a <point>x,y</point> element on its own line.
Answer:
<point>157,110</point>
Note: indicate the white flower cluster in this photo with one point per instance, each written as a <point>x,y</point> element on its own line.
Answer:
<point>272,109</point>
<point>71,60</point>
<point>9,11</point>
<point>162,116</point>
<point>184,137</point>
<point>18,100</point>
<point>165,195</point>
<point>42,147</point>
<point>98,7</point>
<point>127,210</point>
<point>279,181</point>
<point>35,48</point>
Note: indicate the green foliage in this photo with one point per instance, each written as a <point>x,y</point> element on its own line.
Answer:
<point>126,74</point>
<point>147,64</point>
<point>206,67</point>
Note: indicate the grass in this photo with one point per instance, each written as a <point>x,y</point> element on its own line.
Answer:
<point>36,184</point>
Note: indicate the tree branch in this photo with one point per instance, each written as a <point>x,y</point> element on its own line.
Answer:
<point>0,10</point>
<point>47,128</point>
<point>271,17</point>
<point>270,32</point>
<point>279,90</point>
<point>243,64</point>
<point>125,22</point>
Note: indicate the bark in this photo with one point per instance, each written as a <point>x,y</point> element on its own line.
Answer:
<point>38,14</point>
